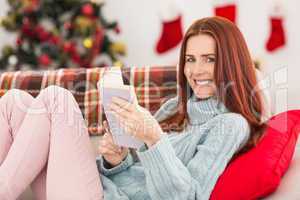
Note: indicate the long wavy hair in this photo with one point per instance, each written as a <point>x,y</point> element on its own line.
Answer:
<point>234,76</point>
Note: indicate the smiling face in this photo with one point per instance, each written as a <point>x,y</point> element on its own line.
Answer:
<point>199,65</point>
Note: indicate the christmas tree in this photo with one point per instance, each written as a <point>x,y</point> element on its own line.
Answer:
<point>59,34</point>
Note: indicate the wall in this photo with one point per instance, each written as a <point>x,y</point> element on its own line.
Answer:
<point>5,37</point>
<point>140,25</point>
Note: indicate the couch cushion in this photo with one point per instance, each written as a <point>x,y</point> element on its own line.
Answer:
<point>258,172</point>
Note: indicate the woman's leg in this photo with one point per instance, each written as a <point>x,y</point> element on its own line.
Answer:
<point>13,107</point>
<point>72,169</point>
<point>53,131</point>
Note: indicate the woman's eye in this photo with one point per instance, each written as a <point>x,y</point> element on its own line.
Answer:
<point>189,60</point>
<point>210,60</point>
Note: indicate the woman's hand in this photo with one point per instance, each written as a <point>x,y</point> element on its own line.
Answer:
<point>112,153</point>
<point>136,120</point>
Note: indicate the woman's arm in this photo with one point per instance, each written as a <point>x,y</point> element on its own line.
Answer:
<point>167,177</point>
<point>167,109</point>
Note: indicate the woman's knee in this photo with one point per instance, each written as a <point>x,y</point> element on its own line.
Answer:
<point>57,97</point>
<point>14,105</point>
<point>17,97</point>
<point>56,90</point>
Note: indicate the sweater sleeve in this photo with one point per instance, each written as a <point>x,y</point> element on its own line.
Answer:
<point>126,163</point>
<point>167,109</point>
<point>168,178</point>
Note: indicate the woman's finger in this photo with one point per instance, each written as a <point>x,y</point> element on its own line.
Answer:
<point>106,142</point>
<point>124,104</point>
<point>106,151</point>
<point>129,125</point>
<point>120,111</point>
<point>113,147</point>
<point>108,137</point>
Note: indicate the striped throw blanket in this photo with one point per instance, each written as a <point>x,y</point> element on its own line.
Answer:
<point>153,86</point>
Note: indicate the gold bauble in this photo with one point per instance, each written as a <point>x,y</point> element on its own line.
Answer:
<point>88,43</point>
<point>118,47</point>
<point>83,22</point>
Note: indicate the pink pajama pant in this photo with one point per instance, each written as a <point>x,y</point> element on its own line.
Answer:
<point>44,143</point>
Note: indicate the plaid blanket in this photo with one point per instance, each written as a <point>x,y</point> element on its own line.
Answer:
<point>153,86</point>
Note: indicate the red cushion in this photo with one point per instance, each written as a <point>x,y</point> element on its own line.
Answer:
<point>258,172</point>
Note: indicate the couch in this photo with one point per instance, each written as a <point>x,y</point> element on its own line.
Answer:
<point>153,85</point>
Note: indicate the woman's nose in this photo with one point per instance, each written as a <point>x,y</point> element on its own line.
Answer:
<point>200,64</point>
<point>198,68</point>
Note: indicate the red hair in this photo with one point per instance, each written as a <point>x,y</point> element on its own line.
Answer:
<point>234,76</point>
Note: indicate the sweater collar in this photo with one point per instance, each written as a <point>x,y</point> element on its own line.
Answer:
<point>200,111</point>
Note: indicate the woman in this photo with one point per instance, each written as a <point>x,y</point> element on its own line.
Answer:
<point>216,116</point>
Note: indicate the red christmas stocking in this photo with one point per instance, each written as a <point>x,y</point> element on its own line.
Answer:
<point>172,33</point>
<point>227,10</point>
<point>277,37</point>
